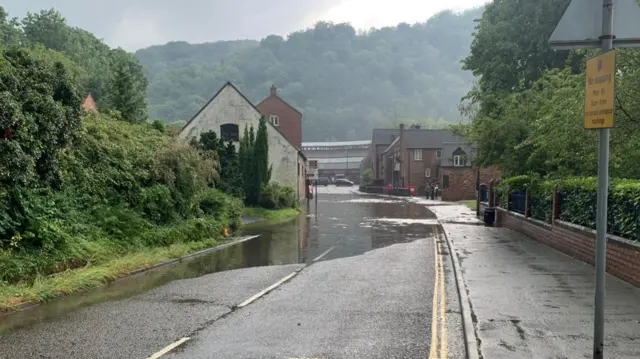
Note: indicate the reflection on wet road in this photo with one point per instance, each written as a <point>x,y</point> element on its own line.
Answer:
<point>344,225</point>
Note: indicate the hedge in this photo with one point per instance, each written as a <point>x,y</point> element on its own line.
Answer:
<point>577,201</point>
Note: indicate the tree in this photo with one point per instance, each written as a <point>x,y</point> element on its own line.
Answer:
<point>231,181</point>
<point>261,154</point>
<point>48,28</point>
<point>345,82</point>
<point>127,88</point>
<point>39,116</point>
<point>366,176</point>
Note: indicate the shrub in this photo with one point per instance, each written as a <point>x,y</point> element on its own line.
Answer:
<point>274,196</point>
<point>578,201</point>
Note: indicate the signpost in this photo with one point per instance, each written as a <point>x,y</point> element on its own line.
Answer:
<point>312,174</point>
<point>599,101</point>
<point>312,170</point>
<point>590,24</point>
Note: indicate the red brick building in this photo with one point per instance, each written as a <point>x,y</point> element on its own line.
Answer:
<point>420,157</point>
<point>283,116</point>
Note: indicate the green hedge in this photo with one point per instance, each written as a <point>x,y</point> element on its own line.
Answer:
<point>578,199</point>
<point>274,196</point>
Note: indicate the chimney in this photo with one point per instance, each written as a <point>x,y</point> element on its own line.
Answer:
<point>274,91</point>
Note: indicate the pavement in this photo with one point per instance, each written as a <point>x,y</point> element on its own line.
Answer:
<point>531,301</point>
<point>360,277</point>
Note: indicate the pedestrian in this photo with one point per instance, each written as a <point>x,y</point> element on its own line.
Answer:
<point>436,191</point>
<point>427,190</point>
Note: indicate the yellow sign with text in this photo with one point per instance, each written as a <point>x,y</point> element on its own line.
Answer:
<point>599,104</point>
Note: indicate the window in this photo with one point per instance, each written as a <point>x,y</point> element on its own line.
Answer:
<point>275,120</point>
<point>445,181</point>
<point>417,155</point>
<point>229,132</point>
<point>427,172</point>
<point>458,161</point>
<point>438,153</point>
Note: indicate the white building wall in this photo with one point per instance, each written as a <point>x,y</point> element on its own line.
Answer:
<point>231,107</point>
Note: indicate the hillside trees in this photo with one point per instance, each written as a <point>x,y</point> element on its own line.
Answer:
<point>344,82</point>
<point>93,66</point>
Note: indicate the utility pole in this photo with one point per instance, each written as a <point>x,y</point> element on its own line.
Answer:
<point>603,194</point>
<point>574,31</point>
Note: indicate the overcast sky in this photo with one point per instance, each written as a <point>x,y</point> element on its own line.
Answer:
<point>133,24</point>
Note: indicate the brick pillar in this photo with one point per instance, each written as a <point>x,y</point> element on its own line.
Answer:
<point>492,198</point>
<point>556,206</point>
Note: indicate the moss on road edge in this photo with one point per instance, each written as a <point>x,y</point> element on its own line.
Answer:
<point>44,289</point>
<point>272,215</point>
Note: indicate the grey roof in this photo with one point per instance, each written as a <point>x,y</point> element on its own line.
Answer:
<point>384,136</point>
<point>336,143</point>
<point>427,139</point>
<point>449,147</point>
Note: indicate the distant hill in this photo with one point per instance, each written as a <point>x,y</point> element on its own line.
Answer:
<point>345,82</point>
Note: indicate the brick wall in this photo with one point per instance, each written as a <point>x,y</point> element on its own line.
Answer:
<point>290,120</point>
<point>417,169</point>
<point>623,256</point>
<point>462,181</point>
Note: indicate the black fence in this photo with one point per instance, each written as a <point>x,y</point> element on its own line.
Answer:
<point>517,202</point>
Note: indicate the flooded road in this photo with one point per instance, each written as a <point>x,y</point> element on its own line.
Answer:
<point>342,225</point>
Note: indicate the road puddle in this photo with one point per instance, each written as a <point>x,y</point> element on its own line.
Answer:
<point>341,227</point>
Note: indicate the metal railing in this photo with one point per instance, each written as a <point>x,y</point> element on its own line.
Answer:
<point>517,202</point>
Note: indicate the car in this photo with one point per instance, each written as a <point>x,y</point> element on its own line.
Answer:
<point>343,182</point>
<point>322,181</point>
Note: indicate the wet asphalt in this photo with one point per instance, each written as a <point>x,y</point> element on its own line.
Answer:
<point>530,301</point>
<point>364,290</point>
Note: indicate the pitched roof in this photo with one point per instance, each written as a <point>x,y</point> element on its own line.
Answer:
<point>249,102</point>
<point>281,100</point>
<point>384,136</point>
<point>89,104</point>
<point>430,139</point>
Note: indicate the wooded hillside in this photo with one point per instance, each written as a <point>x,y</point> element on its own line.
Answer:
<point>345,82</point>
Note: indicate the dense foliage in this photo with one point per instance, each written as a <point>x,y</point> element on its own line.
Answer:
<point>112,76</point>
<point>344,82</point>
<point>526,109</point>
<point>577,198</point>
<point>83,188</point>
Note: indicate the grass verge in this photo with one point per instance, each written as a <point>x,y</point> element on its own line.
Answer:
<point>271,215</point>
<point>471,203</point>
<point>44,289</point>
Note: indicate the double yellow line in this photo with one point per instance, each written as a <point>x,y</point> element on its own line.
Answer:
<point>439,347</point>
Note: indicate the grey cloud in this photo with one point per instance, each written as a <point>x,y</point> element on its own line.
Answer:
<point>138,23</point>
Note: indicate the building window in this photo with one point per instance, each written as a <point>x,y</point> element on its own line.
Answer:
<point>417,155</point>
<point>275,120</point>
<point>445,181</point>
<point>229,132</point>
<point>438,153</point>
<point>458,161</point>
<point>427,172</point>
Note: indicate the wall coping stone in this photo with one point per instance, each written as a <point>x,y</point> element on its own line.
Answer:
<point>623,242</point>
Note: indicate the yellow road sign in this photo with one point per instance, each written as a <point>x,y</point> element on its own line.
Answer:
<point>599,102</point>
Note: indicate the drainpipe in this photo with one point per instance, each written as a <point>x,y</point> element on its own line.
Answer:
<point>401,144</point>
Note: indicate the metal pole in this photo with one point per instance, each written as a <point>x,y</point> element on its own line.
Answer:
<point>603,192</point>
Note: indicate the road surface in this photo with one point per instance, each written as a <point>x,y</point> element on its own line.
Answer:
<point>363,277</point>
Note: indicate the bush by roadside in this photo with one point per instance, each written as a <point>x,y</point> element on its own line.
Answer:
<point>577,201</point>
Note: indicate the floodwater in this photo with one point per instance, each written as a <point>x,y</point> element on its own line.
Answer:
<point>338,225</point>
